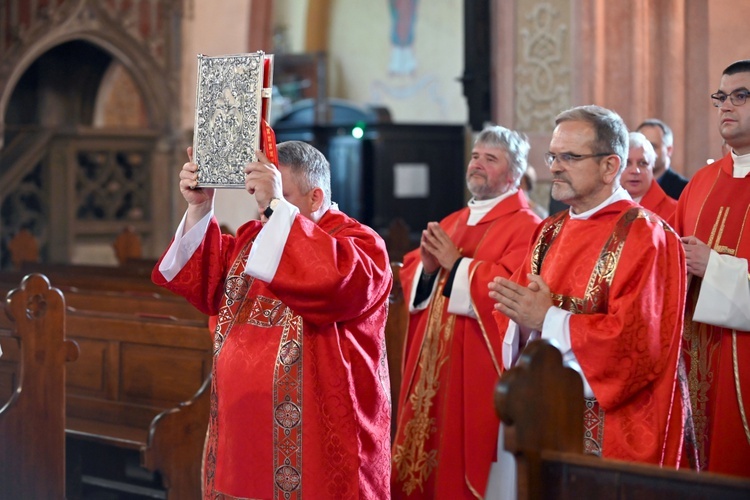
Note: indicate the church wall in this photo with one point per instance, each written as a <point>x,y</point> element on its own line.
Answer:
<point>643,59</point>
<point>728,21</point>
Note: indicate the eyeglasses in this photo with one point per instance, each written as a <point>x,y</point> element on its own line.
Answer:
<point>568,158</point>
<point>738,97</point>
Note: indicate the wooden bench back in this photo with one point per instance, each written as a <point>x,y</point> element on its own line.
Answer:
<point>540,403</point>
<point>93,277</point>
<point>395,334</point>
<point>32,419</point>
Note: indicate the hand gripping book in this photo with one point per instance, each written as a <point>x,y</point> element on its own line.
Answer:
<point>232,110</point>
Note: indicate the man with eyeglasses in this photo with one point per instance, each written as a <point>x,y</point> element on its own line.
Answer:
<point>605,281</point>
<point>713,216</point>
<point>638,178</point>
<point>447,431</point>
<point>662,139</point>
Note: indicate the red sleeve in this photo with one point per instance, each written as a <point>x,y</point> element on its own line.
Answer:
<point>201,281</point>
<point>330,278</point>
<point>512,244</point>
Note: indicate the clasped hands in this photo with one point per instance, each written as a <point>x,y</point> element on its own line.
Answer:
<point>437,249</point>
<point>526,305</point>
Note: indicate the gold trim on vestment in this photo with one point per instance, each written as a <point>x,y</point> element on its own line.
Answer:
<point>596,295</point>
<point>411,460</point>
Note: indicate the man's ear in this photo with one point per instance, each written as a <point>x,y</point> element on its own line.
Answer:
<point>317,197</point>
<point>610,169</point>
<point>670,149</point>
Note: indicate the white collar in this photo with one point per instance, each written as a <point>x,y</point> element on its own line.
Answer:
<point>479,208</point>
<point>741,165</point>
<point>618,195</point>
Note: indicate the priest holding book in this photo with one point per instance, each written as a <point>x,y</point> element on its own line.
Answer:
<point>300,391</point>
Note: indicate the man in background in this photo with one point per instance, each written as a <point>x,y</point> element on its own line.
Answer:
<point>661,138</point>
<point>447,427</point>
<point>713,218</point>
<point>638,178</point>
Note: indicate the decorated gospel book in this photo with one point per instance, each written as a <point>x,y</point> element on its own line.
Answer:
<point>232,110</point>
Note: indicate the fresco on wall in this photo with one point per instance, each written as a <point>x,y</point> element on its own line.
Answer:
<point>403,17</point>
<point>411,80</point>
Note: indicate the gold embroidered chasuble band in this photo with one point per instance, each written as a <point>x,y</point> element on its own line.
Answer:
<point>266,312</point>
<point>413,462</point>
<point>595,299</point>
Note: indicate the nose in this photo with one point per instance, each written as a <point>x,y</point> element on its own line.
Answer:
<point>555,166</point>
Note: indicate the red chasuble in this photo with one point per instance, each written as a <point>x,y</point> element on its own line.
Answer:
<point>658,201</point>
<point>622,275</point>
<point>715,207</point>
<point>300,398</point>
<point>447,426</point>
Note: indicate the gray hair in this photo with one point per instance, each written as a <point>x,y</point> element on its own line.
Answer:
<point>666,132</point>
<point>515,144</point>
<point>309,167</point>
<point>638,140</point>
<point>610,129</point>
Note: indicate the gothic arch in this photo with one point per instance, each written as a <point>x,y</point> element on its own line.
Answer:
<point>151,63</point>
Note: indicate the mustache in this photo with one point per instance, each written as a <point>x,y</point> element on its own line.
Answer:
<point>560,177</point>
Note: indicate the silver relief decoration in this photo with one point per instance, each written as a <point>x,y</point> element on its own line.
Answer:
<point>227,117</point>
<point>542,76</point>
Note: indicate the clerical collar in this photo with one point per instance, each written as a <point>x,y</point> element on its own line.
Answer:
<point>619,195</point>
<point>741,165</point>
<point>480,208</point>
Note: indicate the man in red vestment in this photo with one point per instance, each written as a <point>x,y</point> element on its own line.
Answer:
<point>300,391</point>
<point>713,217</point>
<point>605,281</point>
<point>638,178</point>
<point>447,427</point>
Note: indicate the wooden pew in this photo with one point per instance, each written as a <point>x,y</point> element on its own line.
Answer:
<point>395,334</point>
<point>143,304</point>
<point>93,277</point>
<point>32,420</point>
<point>540,403</point>
<point>144,384</point>
<point>141,383</point>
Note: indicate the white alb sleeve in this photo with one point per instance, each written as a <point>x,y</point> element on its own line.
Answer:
<point>460,300</point>
<point>556,328</point>
<point>265,253</point>
<point>724,298</point>
<point>183,246</point>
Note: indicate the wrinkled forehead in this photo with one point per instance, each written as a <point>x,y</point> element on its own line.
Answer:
<point>570,136</point>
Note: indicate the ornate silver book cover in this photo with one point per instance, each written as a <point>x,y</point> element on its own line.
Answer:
<point>227,117</point>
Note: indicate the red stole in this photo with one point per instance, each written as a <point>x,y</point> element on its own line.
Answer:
<point>622,274</point>
<point>447,427</point>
